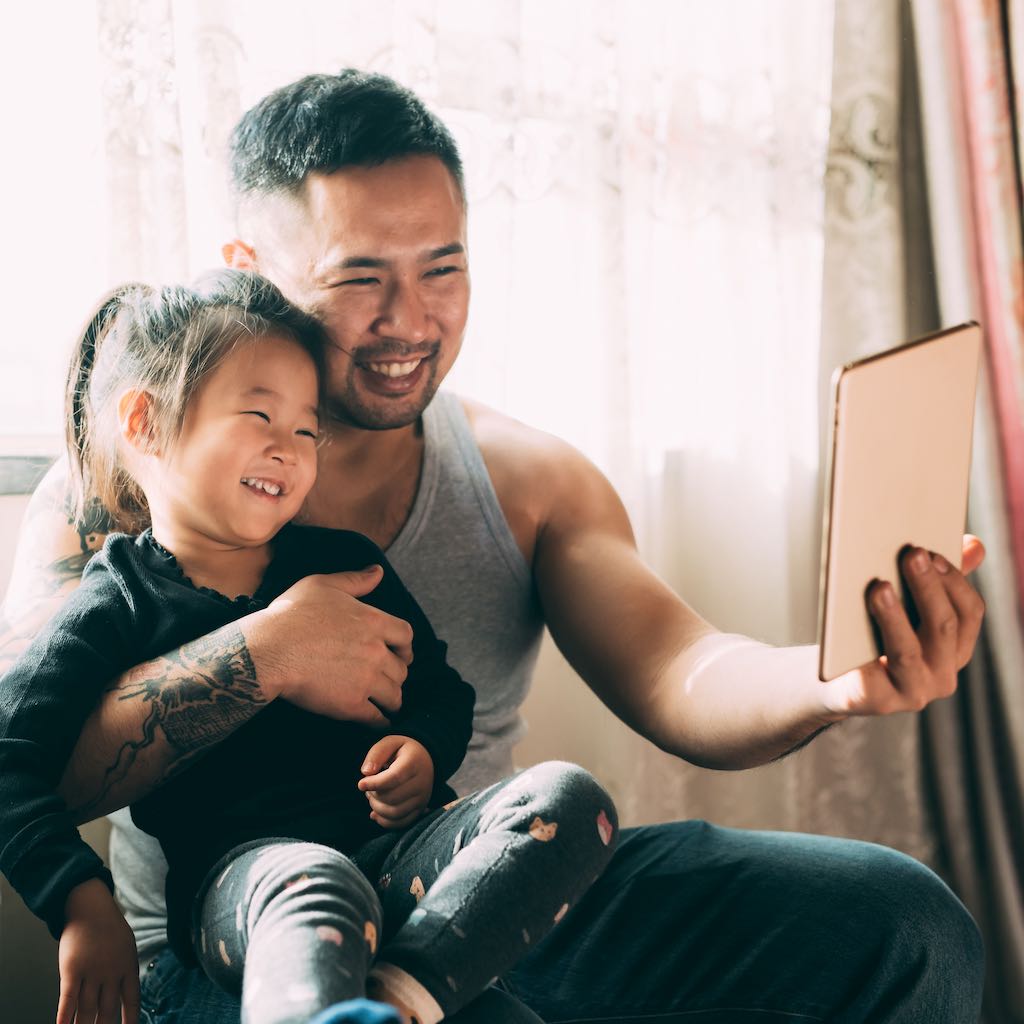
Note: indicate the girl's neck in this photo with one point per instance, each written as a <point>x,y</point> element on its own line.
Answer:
<point>231,571</point>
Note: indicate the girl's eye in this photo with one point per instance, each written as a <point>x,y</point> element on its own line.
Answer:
<point>306,433</point>
<point>256,412</point>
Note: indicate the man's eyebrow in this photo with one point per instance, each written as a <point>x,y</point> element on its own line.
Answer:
<point>259,391</point>
<point>452,249</point>
<point>353,262</point>
<point>376,263</point>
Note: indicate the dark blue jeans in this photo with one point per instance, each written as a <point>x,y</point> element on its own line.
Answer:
<point>693,924</point>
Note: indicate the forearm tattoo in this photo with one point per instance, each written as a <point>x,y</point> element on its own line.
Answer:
<point>196,695</point>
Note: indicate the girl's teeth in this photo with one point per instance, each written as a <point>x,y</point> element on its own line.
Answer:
<point>262,485</point>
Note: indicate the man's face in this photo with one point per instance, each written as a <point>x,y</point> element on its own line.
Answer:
<point>378,254</point>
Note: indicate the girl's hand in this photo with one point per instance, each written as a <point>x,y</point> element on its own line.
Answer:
<point>399,778</point>
<point>99,967</point>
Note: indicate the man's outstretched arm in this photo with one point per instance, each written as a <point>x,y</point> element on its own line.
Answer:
<point>316,645</point>
<point>723,701</point>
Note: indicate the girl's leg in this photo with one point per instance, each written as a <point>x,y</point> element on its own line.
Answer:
<point>471,889</point>
<point>291,927</point>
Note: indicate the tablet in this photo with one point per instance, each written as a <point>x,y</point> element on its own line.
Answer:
<point>898,474</point>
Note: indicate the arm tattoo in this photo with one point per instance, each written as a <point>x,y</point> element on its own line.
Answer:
<point>197,695</point>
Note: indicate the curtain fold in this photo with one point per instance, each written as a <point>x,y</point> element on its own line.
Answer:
<point>968,67</point>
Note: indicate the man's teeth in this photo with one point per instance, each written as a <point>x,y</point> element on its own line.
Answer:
<point>395,369</point>
<point>261,485</point>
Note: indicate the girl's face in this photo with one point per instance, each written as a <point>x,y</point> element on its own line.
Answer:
<point>246,457</point>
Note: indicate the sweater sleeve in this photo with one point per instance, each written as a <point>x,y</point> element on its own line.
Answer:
<point>437,703</point>
<point>45,698</point>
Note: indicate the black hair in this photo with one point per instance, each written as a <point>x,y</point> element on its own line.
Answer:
<point>322,123</point>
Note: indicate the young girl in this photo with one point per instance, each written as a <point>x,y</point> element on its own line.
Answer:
<point>197,411</point>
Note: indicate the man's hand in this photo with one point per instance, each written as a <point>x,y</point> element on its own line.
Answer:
<point>320,648</point>
<point>398,780</point>
<point>922,666</point>
<point>99,967</point>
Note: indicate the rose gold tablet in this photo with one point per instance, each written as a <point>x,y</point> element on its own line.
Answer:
<point>898,475</point>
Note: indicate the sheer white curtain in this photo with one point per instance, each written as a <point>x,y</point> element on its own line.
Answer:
<point>647,190</point>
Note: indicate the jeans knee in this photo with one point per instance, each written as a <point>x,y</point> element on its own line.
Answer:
<point>931,937</point>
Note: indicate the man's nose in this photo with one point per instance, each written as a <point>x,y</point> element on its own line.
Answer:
<point>404,314</point>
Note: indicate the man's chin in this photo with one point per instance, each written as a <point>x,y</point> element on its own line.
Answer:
<point>373,412</point>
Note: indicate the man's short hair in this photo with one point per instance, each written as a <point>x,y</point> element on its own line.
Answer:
<point>323,123</point>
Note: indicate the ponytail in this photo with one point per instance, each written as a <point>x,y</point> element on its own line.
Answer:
<point>79,423</point>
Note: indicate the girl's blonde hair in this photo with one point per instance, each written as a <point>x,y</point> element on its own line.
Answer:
<point>164,342</point>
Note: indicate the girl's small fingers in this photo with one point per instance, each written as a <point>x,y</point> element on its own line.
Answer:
<point>393,811</point>
<point>386,780</point>
<point>403,791</point>
<point>395,822</point>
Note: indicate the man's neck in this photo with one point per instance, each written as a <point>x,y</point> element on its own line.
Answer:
<point>366,481</point>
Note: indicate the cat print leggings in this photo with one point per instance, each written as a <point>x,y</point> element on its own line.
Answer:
<point>295,927</point>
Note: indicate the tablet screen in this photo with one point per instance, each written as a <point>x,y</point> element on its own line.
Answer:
<point>898,475</point>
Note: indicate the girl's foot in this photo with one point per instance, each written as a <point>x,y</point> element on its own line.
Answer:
<point>358,1011</point>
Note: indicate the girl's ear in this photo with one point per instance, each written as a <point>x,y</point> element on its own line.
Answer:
<point>135,420</point>
<point>239,256</point>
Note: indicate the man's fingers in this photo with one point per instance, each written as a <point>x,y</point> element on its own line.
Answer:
<point>109,1004</point>
<point>67,1005</point>
<point>968,605</point>
<point>939,623</point>
<point>131,999</point>
<point>88,1004</point>
<point>358,582</point>
<point>901,645</point>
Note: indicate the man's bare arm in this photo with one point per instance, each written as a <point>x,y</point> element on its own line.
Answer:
<point>157,718</point>
<point>316,645</point>
<point>719,701</point>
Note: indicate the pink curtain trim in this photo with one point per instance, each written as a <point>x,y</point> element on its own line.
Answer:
<point>993,195</point>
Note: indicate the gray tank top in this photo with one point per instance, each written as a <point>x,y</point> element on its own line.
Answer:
<point>459,559</point>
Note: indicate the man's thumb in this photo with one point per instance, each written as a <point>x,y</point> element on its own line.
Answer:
<point>358,582</point>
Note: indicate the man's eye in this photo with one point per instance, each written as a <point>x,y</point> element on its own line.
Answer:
<point>256,412</point>
<point>443,271</point>
<point>361,280</point>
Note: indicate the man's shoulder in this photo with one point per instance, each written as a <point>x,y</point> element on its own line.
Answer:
<point>516,448</point>
<point>538,478</point>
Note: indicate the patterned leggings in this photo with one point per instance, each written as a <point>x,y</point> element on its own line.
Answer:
<point>295,927</point>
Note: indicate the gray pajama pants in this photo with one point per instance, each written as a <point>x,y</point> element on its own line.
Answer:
<point>295,927</point>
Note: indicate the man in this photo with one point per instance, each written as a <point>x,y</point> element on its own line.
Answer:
<point>350,198</point>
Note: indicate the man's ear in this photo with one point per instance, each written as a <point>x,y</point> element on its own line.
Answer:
<point>135,420</point>
<point>239,256</point>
